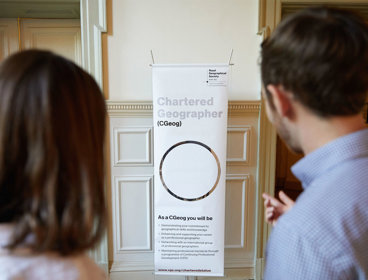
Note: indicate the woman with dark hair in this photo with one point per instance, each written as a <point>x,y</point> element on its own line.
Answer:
<point>52,208</point>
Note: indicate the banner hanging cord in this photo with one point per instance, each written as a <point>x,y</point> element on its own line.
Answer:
<point>230,64</point>
<point>231,56</point>
<point>153,60</point>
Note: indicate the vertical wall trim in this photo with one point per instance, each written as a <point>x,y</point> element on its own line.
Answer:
<point>93,23</point>
<point>266,181</point>
<point>269,15</point>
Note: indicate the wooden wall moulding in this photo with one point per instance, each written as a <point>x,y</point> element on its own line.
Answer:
<point>139,108</point>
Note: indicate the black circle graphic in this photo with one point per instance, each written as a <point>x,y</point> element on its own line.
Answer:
<point>218,170</point>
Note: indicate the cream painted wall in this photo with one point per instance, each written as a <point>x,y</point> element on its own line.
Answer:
<point>179,31</point>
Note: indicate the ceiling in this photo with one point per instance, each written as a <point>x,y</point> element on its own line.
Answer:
<point>40,9</point>
<point>360,8</point>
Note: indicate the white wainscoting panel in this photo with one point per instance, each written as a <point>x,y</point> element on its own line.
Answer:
<point>238,138</point>
<point>131,172</point>
<point>235,211</point>
<point>132,145</point>
<point>133,218</point>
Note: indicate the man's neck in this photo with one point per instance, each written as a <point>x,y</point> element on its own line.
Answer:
<point>315,132</point>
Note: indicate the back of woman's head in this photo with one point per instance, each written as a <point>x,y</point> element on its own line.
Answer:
<point>52,125</point>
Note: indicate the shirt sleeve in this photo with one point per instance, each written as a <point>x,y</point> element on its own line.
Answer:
<point>290,255</point>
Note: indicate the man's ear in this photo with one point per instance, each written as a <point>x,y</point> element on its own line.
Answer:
<point>281,100</point>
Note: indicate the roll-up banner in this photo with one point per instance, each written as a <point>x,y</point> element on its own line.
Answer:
<point>190,121</point>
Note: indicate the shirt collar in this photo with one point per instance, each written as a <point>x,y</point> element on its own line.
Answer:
<point>333,153</point>
<point>6,231</point>
<point>6,235</point>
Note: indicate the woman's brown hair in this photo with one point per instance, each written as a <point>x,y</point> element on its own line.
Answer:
<point>52,125</point>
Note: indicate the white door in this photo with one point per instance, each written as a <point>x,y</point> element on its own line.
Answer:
<point>8,37</point>
<point>62,36</point>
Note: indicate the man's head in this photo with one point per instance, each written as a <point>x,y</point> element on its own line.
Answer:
<point>319,57</point>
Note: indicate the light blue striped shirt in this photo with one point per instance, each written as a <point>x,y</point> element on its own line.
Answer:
<point>325,235</point>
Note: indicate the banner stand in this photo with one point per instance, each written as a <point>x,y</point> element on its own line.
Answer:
<point>190,132</point>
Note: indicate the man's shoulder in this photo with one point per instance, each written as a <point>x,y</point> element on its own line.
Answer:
<point>335,194</point>
<point>326,229</point>
<point>333,214</point>
<point>338,199</point>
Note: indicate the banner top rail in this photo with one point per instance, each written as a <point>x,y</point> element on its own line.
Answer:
<point>191,65</point>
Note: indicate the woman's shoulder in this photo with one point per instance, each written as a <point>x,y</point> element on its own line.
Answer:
<point>22,265</point>
<point>87,268</point>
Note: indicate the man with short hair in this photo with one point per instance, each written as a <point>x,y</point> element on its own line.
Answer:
<point>315,82</point>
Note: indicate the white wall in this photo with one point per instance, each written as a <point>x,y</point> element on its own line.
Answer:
<point>180,31</point>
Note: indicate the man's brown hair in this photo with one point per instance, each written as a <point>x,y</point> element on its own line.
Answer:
<point>320,54</point>
<point>52,125</point>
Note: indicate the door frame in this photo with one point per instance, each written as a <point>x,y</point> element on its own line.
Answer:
<point>93,24</point>
<point>269,17</point>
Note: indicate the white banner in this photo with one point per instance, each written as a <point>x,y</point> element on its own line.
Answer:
<point>190,121</point>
